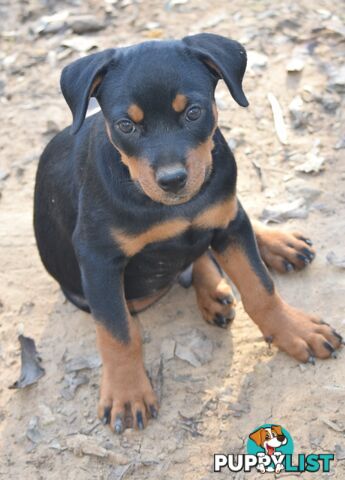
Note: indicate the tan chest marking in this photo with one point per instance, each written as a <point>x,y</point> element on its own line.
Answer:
<point>217,216</point>
<point>132,244</point>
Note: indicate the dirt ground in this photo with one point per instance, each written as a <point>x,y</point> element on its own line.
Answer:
<point>213,407</point>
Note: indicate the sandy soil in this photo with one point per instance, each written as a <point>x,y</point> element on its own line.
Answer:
<point>244,384</point>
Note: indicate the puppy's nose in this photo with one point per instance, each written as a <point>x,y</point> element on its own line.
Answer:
<point>172,180</point>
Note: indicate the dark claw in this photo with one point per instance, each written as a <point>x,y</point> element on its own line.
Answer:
<point>118,425</point>
<point>308,254</point>
<point>337,336</point>
<point>304,259</point>
<point>221,321</point>
<point>225,301</point>
<point>140,422</point>
<point>288,266</point>
<point>269,340</point>
<point>106,415</point>
<point>153,411</point>
<point>329,347</point>
<point>307,241</point>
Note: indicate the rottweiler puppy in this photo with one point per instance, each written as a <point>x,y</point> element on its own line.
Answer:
<point>130,197</point>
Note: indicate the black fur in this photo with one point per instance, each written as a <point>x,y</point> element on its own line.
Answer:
<point>83,189</point>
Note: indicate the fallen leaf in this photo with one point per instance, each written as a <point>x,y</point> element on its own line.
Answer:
<point>314,162</point>
<point>79,363</point>
<point>72,382</point>
<point>195,348</point>
<point>278,119</point>
<point>334,426</point>
<point>31,370</point>
<point>285,211</point>
<point>80,44</point>
<point>33,432</point>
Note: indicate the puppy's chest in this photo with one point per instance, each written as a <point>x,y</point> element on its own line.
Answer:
<point>180,232</point>
<point>159,263</point>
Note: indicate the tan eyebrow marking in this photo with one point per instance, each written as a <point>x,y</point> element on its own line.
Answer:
<point>179,103</point>
<point>135,113</point>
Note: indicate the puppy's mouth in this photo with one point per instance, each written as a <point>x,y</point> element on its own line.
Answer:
<point>270,450</point>
<point>193,187</point>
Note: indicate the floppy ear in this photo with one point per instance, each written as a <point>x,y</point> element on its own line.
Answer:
<point>257,436</point>
<point>79,82</point>
<point>227,58</point>
<point>277,429</point>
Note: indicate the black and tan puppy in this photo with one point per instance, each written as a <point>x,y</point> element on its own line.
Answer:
<point>129,198</point>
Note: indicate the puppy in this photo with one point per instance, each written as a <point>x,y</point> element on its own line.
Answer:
<point>131,197</point>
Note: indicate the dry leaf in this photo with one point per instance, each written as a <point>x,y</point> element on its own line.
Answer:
<point>278,119</point>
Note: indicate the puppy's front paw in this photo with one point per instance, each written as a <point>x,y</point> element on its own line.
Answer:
<point>302,336</point>
<point>284,251</point>
<point>126,399</point>
<point>216,304</point>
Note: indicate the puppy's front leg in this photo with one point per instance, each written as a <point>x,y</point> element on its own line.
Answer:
<point>301,335</point>
<point>126,395</point>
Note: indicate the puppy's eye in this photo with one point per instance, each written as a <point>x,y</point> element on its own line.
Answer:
<point>126,126</point>
<point>193,113</point>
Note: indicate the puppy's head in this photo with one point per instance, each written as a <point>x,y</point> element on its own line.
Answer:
<point>269,438</point>
<point>157,99</point>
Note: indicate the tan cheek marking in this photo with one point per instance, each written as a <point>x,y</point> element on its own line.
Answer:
<point>218,215</point>
<point>132,163</point>
<point>135,113</point>
<point>179,103</point>
<point>132,244</point>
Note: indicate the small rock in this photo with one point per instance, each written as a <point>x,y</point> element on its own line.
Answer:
<point>55,444</point>
<point>299,117</point>
<point>340,144</point>
<point>295,65</point>
<point>4,175</point>
<point>51,24</point>
<point>85,23</point>
<point>256,60</point>
<point>337,78</point>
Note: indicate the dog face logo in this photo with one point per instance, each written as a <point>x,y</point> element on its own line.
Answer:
<point>270,441</point>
